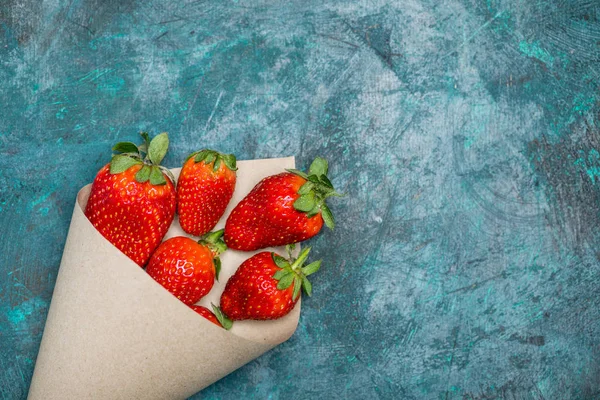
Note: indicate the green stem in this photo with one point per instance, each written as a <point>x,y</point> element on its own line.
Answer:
<point>212,237</point>
<point>214,241</point>
<point>300,260</point>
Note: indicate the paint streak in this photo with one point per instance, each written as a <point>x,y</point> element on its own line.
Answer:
<point>535,50</point>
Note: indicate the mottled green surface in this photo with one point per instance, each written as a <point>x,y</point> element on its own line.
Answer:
<point>465,261</point>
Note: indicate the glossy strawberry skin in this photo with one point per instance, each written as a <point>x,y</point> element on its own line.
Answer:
<point>183,267</point>
<point>203,195</point>
<point>133,216</point>
<point>206,313</point>
<point>251,293</point>
<point>267,217</point>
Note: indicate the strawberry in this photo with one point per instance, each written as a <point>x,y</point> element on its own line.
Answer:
<point>206,313</point>
<point>266,286</point>
<point>282,209</point>
<point>205,186</point>
<point>132,201</point>
<point>187,268</point>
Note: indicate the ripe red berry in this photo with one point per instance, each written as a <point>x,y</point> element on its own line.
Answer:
<point>267,286</point>
<point>187,268</point>
<point>206,313</point>
<point>282,209</point>
<point>132,201</point>
<point>206,184</point>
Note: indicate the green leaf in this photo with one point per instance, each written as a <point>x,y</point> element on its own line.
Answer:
<point>158,148</point>
<point>217,267</point>
<point>315,210</point>
<point>280,261</point>
<point>144,147</point>
<point>285,281</point>
<point>217,164</point>
<point>327,216</point>
<point>297,172</point>
<point>219,247</point>
<point>194,154</point>
<point>281,273</point>
<point>290,249</point>
<point>305,202</point>
<point>325,180</point>
<point>306,188</point>
<point>210,157</point>
<point>314,179</point>
<point>307,286</point>
<point>318,167</point>
<point>311,268</point>
<point>122,163</point>
<point>297,286</point>
<point>335,194</point>
<point>143,174</point>
<point>156,176</point>
<point>230,161</point>
<point>201,155</point>
<point>169,173</point>
<point>125,147</point>
<point>225,322</point>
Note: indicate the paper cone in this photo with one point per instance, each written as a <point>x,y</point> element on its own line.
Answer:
<point>114,333</point>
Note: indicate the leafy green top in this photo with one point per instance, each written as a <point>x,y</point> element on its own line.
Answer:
<point>132,154</point>
<point>215,243</point>
<point>293,271</point>
<point>315,191</point>
<point>212,156</point>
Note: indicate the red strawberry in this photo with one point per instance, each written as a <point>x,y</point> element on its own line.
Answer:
<point>266,286</point>
<point>132,201</point>
<point>187,268</point>
<point>282,209</point>
<point>206,313</point>
<point>205,186</point>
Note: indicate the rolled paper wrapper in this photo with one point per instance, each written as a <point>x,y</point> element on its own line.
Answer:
<point>112,332</point>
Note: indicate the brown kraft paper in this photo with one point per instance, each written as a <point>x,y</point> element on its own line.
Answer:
<point>112,332</point>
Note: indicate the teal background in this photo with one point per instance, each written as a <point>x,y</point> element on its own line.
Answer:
<point>465,263</point>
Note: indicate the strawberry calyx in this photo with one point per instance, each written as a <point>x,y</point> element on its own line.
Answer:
<point>292,270</point>
<point>149,154</point>
<point>215,243</point>
<point>214,157</point>
<point>225,322</point>
<point>315,191</point>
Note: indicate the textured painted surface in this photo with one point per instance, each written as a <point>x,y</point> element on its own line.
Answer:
<point>466,134</point>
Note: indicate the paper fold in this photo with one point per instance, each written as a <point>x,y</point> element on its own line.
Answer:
<point>114,333</point>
